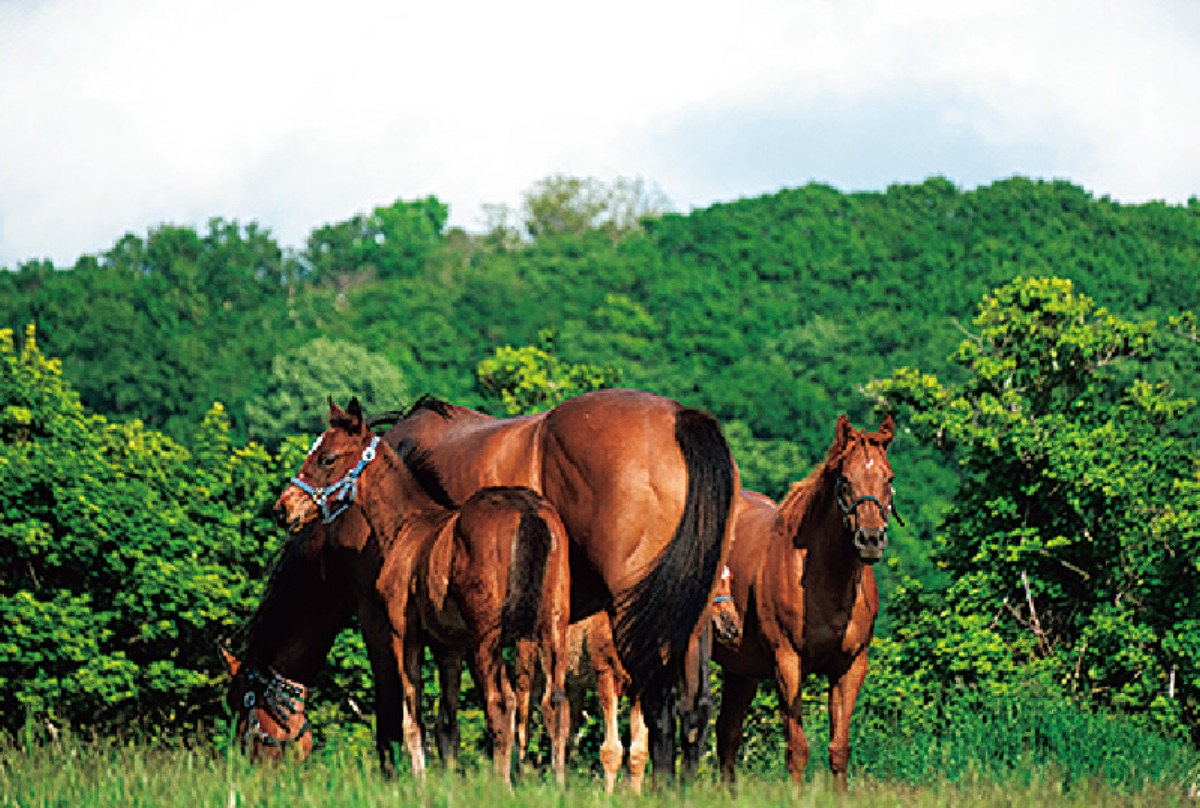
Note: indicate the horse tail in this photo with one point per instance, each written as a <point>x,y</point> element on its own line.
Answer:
<point>659,613</point>
<point>526,575</point>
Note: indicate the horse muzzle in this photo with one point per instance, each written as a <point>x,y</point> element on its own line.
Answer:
<point>294,511</point>
<point>870,543</point>
<point>728,629</point>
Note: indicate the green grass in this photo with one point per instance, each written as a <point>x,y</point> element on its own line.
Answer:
<point>109,772</point>
<point>1037,751</point>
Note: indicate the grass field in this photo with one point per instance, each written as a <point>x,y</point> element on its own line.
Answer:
<point>106,772</point>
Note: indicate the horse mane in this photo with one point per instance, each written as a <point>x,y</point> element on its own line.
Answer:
<point>419,463</point>
<point>807,498</point>
<point>426,401</point>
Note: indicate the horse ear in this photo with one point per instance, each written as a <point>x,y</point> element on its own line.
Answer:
<point>336,413</point>
<point>887,431</point>
<point>844,431</point>
<point>231,661</point>
<point>355,411</point>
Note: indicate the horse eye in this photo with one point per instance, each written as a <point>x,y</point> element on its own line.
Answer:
<point>326,461</point>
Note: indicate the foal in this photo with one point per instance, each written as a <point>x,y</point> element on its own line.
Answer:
<point>476,578</point>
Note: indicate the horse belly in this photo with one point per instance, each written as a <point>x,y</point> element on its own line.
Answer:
<point>445,625</point>
<point>750,659</point>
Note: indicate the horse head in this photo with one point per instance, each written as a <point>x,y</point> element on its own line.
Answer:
<point>862,480</point>
<point>327,482</point>
<point>270,709</point>
<point>726,620</point>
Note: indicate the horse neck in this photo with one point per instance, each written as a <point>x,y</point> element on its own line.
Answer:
<point>830,556</point>
<point>298,620</point>
<point>392,497</point>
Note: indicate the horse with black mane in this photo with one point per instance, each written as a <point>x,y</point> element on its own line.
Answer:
<point>646,488</point>
<point>804,586</point>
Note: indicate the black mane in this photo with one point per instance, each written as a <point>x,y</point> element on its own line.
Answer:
<point>420,465</point>
<point>425,402</point>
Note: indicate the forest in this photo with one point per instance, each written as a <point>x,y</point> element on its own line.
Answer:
<point>1036,344</point>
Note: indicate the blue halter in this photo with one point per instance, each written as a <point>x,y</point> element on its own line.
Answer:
<point>343,491</point>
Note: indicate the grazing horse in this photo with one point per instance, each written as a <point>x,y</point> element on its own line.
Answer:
<point>289,637</point>
<point>476,578</point>
<point>804,586</point>
<point>594,665</point>
<point>646,488</point>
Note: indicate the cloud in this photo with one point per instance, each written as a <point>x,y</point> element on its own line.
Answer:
<point>123,115</point>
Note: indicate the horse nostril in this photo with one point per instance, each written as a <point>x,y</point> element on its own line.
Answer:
<point>281,515</point>
<point>871,542</point>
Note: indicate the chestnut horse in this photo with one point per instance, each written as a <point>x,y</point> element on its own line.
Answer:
<point>289,637</point>
<point>646,488</point>
<point>476,578</point>
<point>804,586</point>
<point>594,665</point>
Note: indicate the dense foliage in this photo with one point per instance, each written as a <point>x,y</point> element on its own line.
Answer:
<point>1047,465</point>
<point>1070,544</point>
<point>128,554</point>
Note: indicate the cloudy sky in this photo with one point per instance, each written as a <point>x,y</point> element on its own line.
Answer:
<point>119,115</point>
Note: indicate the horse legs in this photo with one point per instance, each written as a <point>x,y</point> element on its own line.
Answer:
<point>638,745</point>
<point>410,651</point>
<point>449,664</point>
<point>556,710</point>
<point>499,703</point>
<point>842,694</point>
<point>695,701</point>
<point>660,706</point>
<point>789,677</point>
<point>385,668</point>
<point>736,694</point>
<point>611,752</point>
<point>525,674</point>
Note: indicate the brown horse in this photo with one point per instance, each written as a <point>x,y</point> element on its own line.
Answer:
<point>806,591</point>
<point>476,578</point>
<point>289,637</point>
<point>594,665</point>
<point>646,488</point>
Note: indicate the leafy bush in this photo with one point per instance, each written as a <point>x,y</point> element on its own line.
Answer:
<point>129,554</point>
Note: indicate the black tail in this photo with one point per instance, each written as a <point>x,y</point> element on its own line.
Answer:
<point>526,577</point>
<point>659,613</point>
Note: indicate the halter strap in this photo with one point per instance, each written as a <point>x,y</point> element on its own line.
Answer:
<point>341,492</point>
<point>282,699</point>
<point>851,509</point>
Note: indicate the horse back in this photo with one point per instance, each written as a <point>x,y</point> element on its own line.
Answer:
<point>472,450</point>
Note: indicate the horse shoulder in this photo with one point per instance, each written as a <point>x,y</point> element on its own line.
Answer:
<point>779,596</point>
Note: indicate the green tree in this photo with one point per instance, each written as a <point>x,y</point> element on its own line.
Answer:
<point>1072,540</point>
<point>393,241</point>
<point>302,381</point>
<point>530,378</point>
<point>562,205</point>
<point>127,556</point>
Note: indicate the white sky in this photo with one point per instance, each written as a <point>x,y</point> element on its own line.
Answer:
<point>118,115</point>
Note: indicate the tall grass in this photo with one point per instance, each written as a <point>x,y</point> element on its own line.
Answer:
<point>1029,753</point>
